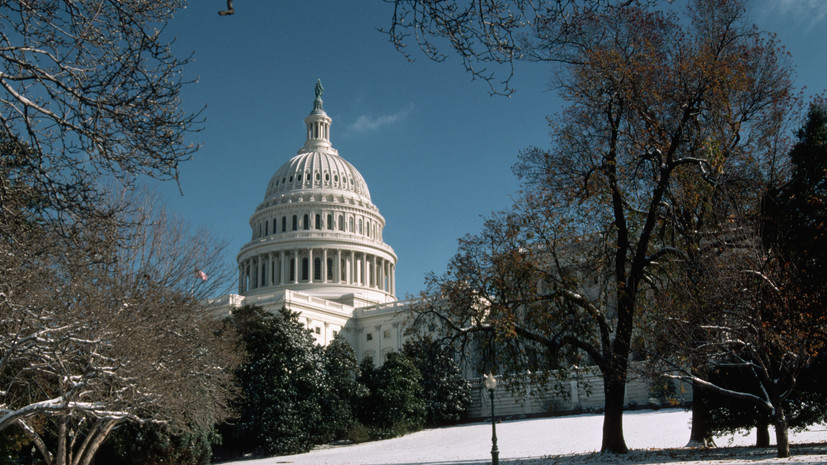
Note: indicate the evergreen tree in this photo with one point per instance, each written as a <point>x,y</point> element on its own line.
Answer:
<point>796,214</point>
<point>282,382</point>
<point>446,392</point>
<point>394,405</point>
<point>153,444</point>
<point>342,390</point>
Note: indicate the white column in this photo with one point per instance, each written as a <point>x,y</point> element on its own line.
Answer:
<point>324,265</point>
<point>393,279</point>
<point>281,267</point>
<point>310,265</point>
<point>338,267</point>
<point>296,265</point>
<point>351,268</point>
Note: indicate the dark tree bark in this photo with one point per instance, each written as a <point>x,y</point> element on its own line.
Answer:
<point>700,435</point>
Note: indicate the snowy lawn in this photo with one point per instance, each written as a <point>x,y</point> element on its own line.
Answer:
<point>656,437</point>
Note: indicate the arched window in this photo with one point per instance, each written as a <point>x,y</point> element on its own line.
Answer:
<point>359,226</point>
<point>330,221</point>
<point>330,269</point>
<point>350,224</point>
<point>266,225</point>
<point>283,223</point>
<point>275,223</point>
<point>304,269</point>
<point>295,222</point>
<point>318,221</point>
<point>306,222</point>
<point>341,223</point>
<point>317,269</point>
<point>292,269</point>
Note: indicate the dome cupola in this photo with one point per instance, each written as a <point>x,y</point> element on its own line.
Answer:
<point>317,230</point>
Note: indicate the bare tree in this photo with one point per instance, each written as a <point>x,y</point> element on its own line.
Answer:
<point>112,332</point>
<point>490,36</point>
<point>91,89</point>
<point>651,99</point>
<point>740,311</point>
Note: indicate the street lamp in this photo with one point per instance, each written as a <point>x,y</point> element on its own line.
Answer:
<point>491,385</point>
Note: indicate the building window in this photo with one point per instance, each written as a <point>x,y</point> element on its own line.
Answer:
<point>266,225</point>
<point>370,336</point>
<point>292,269</point>
<point>304,269</point>
<point>318,221</point>
<point>275,223</point>
<point>318,330</point>
<point>330,222</point>
<point>283,223</point>
<point>350,224</point>
<point>330,269</point>
<point>335,333</point>
<point>386,334</point>
<point>295,222</point>
<point>341,223</point>
<point>306,222</point>
<point>359,226</point>
<point>317,269</point>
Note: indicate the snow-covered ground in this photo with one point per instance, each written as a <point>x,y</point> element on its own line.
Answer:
<point>657,437</point>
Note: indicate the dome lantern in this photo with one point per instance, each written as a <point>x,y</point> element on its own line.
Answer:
<point>318,124</point>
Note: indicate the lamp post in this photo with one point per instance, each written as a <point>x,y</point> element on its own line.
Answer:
<point>491,385</point>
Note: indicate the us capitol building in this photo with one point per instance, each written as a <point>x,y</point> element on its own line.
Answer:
<point>317,249</point>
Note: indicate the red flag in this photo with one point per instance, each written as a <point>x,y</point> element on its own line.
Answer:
<point>201,274</point>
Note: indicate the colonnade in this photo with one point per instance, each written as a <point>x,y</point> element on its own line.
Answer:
<point>317,265</point>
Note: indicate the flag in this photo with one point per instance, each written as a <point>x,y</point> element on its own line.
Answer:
<point>200,274</point>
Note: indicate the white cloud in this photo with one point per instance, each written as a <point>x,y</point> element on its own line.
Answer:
<point>808,12</point>
<point>365,123</point>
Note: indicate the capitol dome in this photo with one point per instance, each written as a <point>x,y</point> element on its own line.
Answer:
<point>317,230</point>
<point>317,171</point>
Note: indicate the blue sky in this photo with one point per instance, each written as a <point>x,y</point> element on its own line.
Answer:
<point>434,147</point>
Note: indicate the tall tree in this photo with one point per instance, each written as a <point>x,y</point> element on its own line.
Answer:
<point>650,97</point>
<point>795,214</point>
